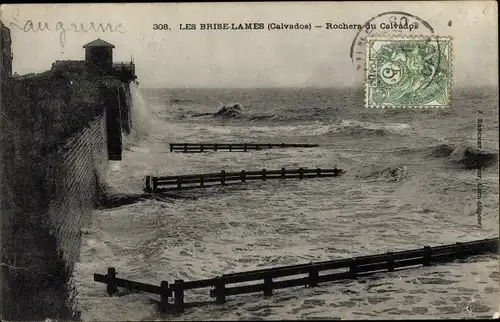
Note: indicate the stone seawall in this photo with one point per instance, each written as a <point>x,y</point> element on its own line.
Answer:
<point>54,139</point>
<point>75,174</point>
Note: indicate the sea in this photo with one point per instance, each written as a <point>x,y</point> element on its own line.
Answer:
<point>409,182</point>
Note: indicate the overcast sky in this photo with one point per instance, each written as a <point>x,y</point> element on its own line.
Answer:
<point>247,58</point>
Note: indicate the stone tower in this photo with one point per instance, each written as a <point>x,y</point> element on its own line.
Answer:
<point>99,58</point>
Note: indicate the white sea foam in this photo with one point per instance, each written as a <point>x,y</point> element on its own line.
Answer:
<point>140,115</point>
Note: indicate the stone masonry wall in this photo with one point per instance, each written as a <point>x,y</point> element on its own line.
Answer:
<point>75,184</point>
<point>53,158</point>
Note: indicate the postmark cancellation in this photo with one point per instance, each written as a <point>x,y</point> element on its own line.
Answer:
<point>408,71</point>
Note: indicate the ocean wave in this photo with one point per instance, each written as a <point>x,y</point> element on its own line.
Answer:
<point>188,114</point>
<point>348,128</point>
<point>461,156</point>
<point>226,111</point>
<point>393,173</point>
<point>344,128</point>
<point>262,117</point>
<point>180,101</point>
<point>367,129</point>
<point>435,151</point>
<point>231,111</point>
<point>308,114</point>
<point>442,150</point>
<point>472,158</point>
<point>358,130</point>
<point>239,111</point>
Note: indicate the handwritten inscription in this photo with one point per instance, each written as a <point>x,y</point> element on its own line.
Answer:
<point>43,26</point>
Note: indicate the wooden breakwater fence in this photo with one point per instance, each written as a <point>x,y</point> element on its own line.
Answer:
<point>172,295</point>
<point>232,147</point>
<point>196,181</point>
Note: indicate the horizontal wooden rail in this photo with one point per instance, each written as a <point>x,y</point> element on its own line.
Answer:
<point>130,285</point>
<point>183,182</point>
<point>238,178</point>
<point>241,144</point>
<point>356,267</point>
<point>203,147</point>
<point>362,260</point>
<point>249,173</point>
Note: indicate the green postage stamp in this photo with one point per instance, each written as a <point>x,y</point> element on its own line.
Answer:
<point>408,72</point>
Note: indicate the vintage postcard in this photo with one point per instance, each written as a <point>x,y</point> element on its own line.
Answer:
<point>237,161</point>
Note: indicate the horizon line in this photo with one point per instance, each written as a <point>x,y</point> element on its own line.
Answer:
<point>298,87</point>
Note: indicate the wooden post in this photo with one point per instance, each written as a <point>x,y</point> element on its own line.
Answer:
<point>171,147</point>
<point>215,146</point>
<point>268,285</point>
<point>223,177</point>
<point>313,278</point>
<point>492,245</point>
<point>282,145</point>
<point>148,184</point>
<point>111,281</point>
<point>264,174</point>
<point>318,172</point>
<point>155,183</point>
<point>243,176</point>
<point>179,295</point>
<point>336,171</point>
<point>426,260</point>
<point>179,183</point>
<point>390,262</point>
<point>220,291</point>
<point>185,147</point>
<point>230,147</point>
<point>301,173</point>
<point>244,147</point>
<point>353,268</point>
<point>270,146</point>
<point>202,181</point>
<point>201,147</point>
<point>164,296</point>
<point>459,250</point>
<point>283,173</point>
